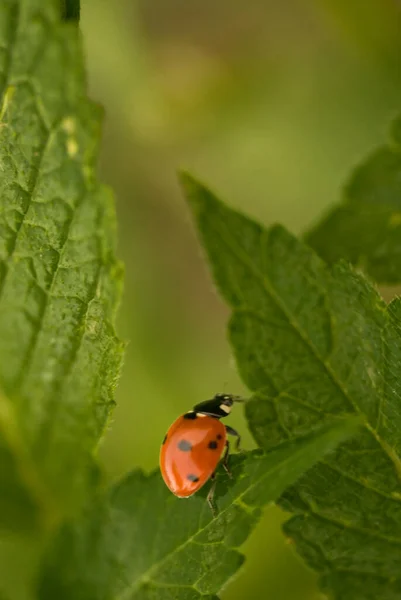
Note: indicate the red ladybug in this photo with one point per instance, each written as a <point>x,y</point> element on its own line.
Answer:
<point>192,447</point>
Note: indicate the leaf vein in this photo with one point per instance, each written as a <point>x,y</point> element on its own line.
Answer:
<point>31,191</point>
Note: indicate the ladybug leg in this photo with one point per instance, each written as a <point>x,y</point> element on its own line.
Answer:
<point>224,462</point>
<point>210,496</point>
<point>235,433</point>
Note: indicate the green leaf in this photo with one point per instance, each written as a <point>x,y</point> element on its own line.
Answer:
<point>365,228</point>
<point>17,506</point>
<point>313,342</point>
<point>59,278</point>
<point>140,542</point>
<point>70,10</point>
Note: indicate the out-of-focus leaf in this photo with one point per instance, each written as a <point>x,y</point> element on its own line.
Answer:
<point>371,25</point>
<point>365,228</point>
<point>70,10</point>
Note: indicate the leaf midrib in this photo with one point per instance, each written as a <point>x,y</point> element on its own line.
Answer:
<point>267,285</point>
<point>146,576</point>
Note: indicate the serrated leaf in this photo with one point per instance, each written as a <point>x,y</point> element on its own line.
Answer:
<point>142,543</point>
<point>312,342</point>
<point>365,228</point>
<point>59,278</point>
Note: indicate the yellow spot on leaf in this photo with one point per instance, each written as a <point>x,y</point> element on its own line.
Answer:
<point>68,125</point>
<point>7,97</point>
<point>72,147</point>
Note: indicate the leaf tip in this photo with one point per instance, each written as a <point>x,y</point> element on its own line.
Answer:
<point>185,177</point>
<point>191,188</point>
<point>199,197</point>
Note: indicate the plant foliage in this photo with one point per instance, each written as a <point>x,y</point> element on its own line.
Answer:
<point>139,542</point>
<point>59,278</point>
<point>365,228</point>
<point>315,344</point>
<point>311,342</point>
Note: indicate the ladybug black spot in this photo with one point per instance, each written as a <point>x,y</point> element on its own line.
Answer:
<point>184,445</point>
<point>190,415</point>
<point>219,436</point>
<point>192,477</point>
<point>212,445</point>
<point>164,440</point>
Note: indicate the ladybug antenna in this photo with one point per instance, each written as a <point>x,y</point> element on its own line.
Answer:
<point>239,399</point>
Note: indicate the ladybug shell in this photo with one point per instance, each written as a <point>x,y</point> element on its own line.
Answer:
<point>191,452</point>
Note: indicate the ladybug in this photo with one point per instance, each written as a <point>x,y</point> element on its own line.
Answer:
<point>192,447</point>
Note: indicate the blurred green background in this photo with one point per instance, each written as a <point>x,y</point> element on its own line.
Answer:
<point>270,103</point>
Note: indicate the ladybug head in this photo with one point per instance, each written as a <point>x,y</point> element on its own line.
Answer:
<point>218,407</point>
